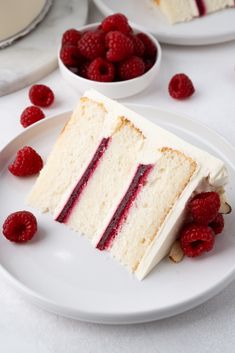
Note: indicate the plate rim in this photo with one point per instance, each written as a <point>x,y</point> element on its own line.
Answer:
<point>126,317</point>
<point>195,40</point>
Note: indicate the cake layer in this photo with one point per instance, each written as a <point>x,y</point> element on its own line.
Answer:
<point>180,10</point>
<point>71,154</point>
<point>186,10</point>
<point>108,183</point>
<point>164,185</point>
<point>122,210</point>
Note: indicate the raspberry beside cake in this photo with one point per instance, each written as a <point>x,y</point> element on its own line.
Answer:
<point>123,182</point>
<point>186,10</point>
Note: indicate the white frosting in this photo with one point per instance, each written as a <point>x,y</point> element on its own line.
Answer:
<point>16,15</point>
<point>211,170</point>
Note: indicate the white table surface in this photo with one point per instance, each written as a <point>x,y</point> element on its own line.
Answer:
<point>209,327</point>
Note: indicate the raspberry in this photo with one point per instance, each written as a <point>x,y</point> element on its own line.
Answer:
<point>217,224</point>
<point>131,68</point>
<point>150,48</point>
<point>116,22</point>
<point>82,70</point>
<point>27,162</point>
<point>148,64</point>
<point>41,95</point>
<point>180,87</point>
<point>196,239</point>
<point>204,207</point>
<point>71,36</point>
<point>139,47</point>
<point>91,45</point>
<point>119,46</point>
<point>69,55</point>
<point>30,115</point>
<point>101,70</point>
<point>20,226</point>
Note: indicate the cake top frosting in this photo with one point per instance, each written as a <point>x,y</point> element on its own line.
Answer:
<point>157,137</point>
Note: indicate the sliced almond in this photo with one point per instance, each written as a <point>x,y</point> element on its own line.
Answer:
<point>176,253</point>
<point>225,208</point>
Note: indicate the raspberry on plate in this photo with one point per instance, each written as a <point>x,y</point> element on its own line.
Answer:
<point>91,45</point>
<point>69,55</point>
<point>180,87</point>
<point>217,224</point>
<point>20,226</point>
<point>27,162</point>
<point>116,22</point>
<point>204,207</point>
<point>41,95</point>
<point>101,70</point>
<point>196,239</point>
<point>31,115</point>
<point>119,46</point>
<point>71,36</point>
<point>131,68</point>
<point>150,51</point>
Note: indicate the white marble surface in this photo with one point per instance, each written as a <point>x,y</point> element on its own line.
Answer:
<point>207,328</point>
<point>34,56</point>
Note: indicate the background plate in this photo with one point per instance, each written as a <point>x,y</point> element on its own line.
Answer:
<point>59,270</point>
<point>36,52</point>
<point>215,28</point>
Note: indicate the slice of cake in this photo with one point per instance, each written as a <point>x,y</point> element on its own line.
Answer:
<point>186,10</point>
<point>123,181</point>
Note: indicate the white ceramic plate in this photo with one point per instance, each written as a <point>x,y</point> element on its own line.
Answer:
<point>59,270</point>
<point>215,28</point>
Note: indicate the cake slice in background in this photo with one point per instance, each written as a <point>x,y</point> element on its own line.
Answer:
<point>186,10</point>
<point>123,182</point>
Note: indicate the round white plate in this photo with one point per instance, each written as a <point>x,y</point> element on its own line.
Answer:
<point>59,270</point>
<point>215,28</point>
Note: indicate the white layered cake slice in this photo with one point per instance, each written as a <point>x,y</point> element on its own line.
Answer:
<point>186,10</point>
<point>123,181</point>
<point>75,146</point>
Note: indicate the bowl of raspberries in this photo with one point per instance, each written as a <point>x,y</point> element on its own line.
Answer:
<point>113,57</point>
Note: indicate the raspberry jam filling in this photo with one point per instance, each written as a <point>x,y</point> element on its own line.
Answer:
<point>76,193</point>
<point>201,7</point>
<point>121,212</point>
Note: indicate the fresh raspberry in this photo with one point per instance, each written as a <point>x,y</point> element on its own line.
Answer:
<point>30,115</point>
<point>119,46</point>
<point>196,239</point>
<point>27,162</point>
<point>71,36</point>
<point>180,87</point>
<point>131,68</point>
<point>69,55</point>
<point>217,224</point>
<point>148,64</point>
<point>116,22</point>
<point>150,48</point>
<point>41,95</point>
<point>82,70</point>
<point>101,70</point>
<point>20,226</point>
<point>139,47</point>
<point>91,45</point>
<point>204,207</point>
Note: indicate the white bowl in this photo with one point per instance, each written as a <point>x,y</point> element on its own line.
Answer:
<point>119,89</point>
